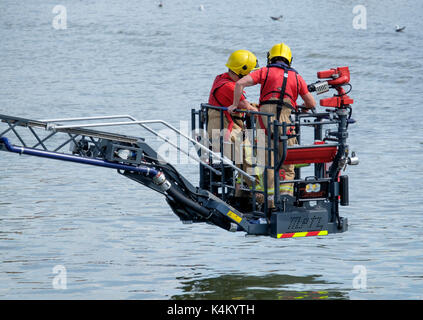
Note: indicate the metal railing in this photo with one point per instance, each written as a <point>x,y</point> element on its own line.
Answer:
<point>214,170</point>
<point>53,126</point>
<point>249,115</point>
<point>221,186</point>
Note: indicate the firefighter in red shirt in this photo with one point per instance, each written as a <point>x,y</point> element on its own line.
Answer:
<point>240,63</point>
<point>280,87</point>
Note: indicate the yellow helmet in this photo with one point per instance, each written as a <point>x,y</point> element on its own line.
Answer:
<point>280,50</point>
<point>242,62</point>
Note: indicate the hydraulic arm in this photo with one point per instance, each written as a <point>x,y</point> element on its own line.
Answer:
<point>130,156</point>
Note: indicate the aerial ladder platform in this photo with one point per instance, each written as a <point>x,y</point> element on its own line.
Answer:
<point>312,210</point>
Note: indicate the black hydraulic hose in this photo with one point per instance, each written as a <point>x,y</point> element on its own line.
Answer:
<point>205,213</point>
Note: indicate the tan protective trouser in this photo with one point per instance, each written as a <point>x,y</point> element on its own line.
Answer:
<point>235,148</point>
<point>285,188</point>
<point>214,131</point>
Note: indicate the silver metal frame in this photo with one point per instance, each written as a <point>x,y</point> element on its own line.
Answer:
<point>52,126</point>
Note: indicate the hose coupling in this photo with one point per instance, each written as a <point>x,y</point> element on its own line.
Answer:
<point>160,180</point>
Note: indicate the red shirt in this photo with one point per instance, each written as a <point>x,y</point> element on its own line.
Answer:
<point>271,80</point>
<point>222,91</point>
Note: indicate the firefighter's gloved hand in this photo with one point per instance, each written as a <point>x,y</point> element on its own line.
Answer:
<point>253,107</point>
<point>231,108</point>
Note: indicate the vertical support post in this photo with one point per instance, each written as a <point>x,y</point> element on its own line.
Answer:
<point>319,168</point>
<point>342,135</point>
<point>253,157</point>
<point>276,197</point>
<point>222,166</point>
<point>205,111</point>
<point>267,165</point>
<point>193,127</point>
<point>298,133</point>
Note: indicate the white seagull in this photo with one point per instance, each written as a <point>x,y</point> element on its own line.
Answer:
<point>399,29</point>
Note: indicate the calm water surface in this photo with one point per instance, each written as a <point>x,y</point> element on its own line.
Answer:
<point>119,240</point>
